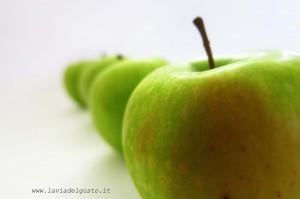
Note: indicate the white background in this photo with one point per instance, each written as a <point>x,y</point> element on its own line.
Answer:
<point>45,140</point>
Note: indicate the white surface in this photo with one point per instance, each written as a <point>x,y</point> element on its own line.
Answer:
<point>45,141</point>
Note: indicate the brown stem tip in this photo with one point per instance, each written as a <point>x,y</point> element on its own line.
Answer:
<point>198,21</point>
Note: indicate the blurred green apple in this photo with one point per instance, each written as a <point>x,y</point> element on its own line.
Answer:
<point>71,81</point>
<point>110,94</point>
<point>90,72</point>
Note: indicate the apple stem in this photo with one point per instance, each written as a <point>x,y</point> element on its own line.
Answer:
<point>198,22</point>
<point>120,56</point>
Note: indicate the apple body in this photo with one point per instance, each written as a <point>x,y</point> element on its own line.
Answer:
<point>232,132</point>
<point>110,94</point>
<point>90,72</point>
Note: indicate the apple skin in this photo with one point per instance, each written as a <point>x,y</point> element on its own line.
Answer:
<point>232,132</point>
<point>110,94</point>
<point>90,72</point>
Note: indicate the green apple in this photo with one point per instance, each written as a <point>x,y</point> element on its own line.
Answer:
<point>110,94</point>
<point>90,72</point>
<point>71,81</point>
<point>232,132</point>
